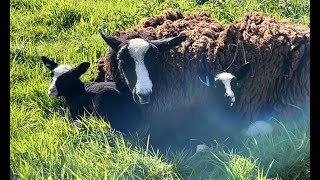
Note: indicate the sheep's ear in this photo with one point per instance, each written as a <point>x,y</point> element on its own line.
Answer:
<point>111,41</point>
<point>49,63</point>
<point>168,43</point>
<point>82,68</point>
<point>243,71</point>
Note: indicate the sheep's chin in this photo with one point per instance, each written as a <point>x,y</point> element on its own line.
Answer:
<point>144,100</point>
<point>53,94</point>
<point>141,100</point>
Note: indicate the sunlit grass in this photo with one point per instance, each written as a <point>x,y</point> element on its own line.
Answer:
<point>44,145</point>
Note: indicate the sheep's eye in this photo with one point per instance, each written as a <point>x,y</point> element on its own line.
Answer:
<point>234,83</point>
<point>123,54</point>
<point>151,55</point>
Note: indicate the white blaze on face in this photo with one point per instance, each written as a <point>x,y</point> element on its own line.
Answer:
<point>137,49</point>
<point>226,78</point>
<point>58,71</point>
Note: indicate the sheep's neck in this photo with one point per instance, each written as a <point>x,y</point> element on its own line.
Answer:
<point>70,98</point>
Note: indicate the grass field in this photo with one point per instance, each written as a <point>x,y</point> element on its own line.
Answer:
<point>43,145</point>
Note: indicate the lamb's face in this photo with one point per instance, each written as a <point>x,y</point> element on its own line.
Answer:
<point>65,80</point>
<point>56,74</point>
<point>225,83</point>
<point>137,57</point>
<point>227,80</point>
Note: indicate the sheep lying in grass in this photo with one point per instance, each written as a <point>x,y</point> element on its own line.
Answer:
<point>278,53</point>
<point>102,99</point>
<point>278,83</point>
<point>274,53</point>
<point>139,64</point>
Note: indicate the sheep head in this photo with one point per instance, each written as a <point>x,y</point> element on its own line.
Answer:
<point>231,81</point>
<point>136,58</point>
<point>225,82</point>
<point>65,80</point>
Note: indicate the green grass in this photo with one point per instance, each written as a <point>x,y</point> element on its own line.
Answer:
<point>288,147</point>
<point>45,146</point>
<point>284,154</point>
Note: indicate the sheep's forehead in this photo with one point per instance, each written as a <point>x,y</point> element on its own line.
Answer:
<point>224,76</point>
<point>137,48</point>
<point>61,69</point>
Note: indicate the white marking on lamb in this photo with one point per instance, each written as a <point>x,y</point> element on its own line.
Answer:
<point>58,71</point>
<point>259,127</point>
<point>137,49</point>
<point>226,80</point>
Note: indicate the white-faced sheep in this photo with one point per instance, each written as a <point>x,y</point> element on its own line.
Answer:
<point>101,98</point>
<point>269,60</point>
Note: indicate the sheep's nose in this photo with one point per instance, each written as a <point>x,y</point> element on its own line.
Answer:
<point>52,92</point>
<point>144,98</point>
<point>143,94</point>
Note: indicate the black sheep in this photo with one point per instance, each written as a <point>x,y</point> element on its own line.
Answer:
<point>101,98</point>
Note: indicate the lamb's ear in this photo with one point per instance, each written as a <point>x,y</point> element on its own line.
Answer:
<point>111,41</point>
<point>82,68</point>
<point>168,43</point>
<point>243,71</point>
<point>49,63</point>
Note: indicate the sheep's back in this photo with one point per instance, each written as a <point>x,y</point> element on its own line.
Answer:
<point>280,55</point>
<point>278,51</point>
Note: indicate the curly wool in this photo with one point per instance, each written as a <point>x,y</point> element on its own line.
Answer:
<point>278,50</point>
<point>280,55</point>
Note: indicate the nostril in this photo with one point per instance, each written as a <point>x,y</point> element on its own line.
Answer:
<point>52,91</point>
<point>144,98</point>
<point>143,95</point>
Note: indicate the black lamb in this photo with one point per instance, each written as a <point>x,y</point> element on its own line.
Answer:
<point>100,98</point>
